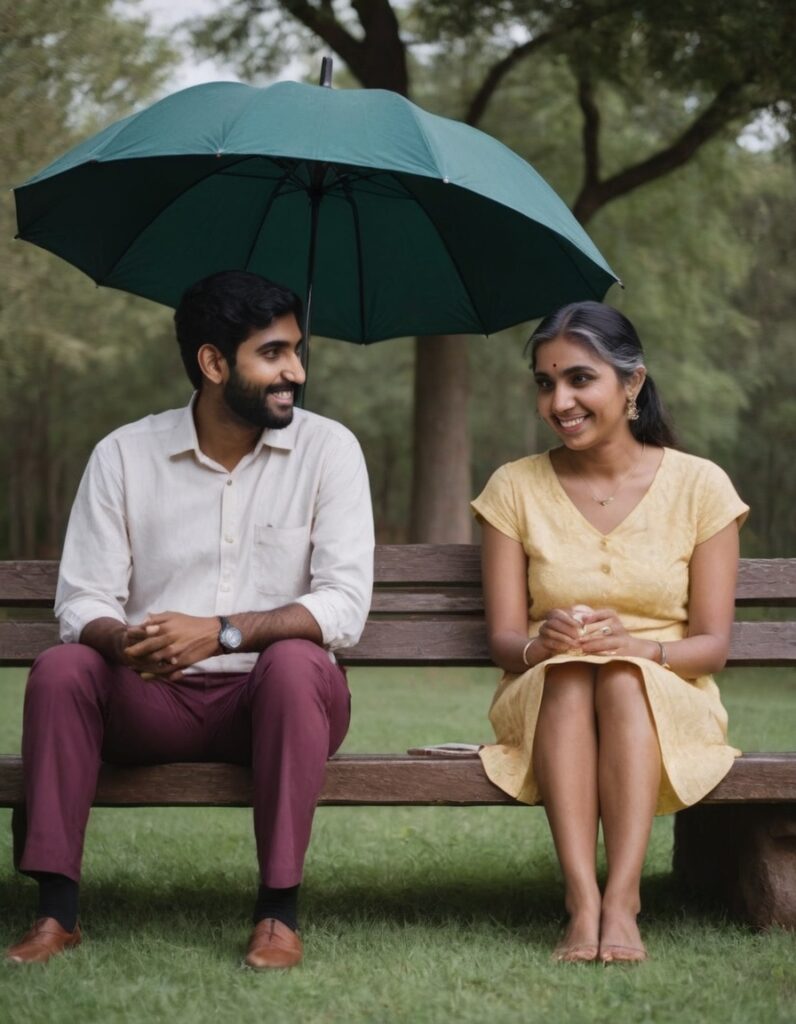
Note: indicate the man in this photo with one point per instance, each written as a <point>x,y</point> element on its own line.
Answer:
<point>215,557</point>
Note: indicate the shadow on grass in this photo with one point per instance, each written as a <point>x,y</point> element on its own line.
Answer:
<point>205,906</point>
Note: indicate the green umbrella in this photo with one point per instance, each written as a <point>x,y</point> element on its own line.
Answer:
<point>407,223</point>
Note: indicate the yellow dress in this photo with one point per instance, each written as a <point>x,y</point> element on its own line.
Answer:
<point>640,569</point>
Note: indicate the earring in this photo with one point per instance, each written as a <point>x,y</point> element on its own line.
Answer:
<point>631,409</point>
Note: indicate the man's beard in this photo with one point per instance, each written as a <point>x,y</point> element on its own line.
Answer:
<point>250,403</point>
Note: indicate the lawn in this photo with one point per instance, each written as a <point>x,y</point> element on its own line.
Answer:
<point>409,914</point>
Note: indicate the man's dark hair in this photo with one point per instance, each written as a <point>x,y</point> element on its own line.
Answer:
<point>223,310</point>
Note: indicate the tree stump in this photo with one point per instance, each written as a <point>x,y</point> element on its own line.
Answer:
<point>741,856</point>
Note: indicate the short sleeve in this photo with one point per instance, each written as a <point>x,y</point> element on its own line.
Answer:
<point>719,503</point>
<point>496,505</point>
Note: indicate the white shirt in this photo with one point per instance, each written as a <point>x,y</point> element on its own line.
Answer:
<point>158,526</point>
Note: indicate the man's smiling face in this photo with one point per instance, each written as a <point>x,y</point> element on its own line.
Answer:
<point>261,386</point>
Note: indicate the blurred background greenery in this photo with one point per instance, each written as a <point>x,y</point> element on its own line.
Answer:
<point>666,127</point>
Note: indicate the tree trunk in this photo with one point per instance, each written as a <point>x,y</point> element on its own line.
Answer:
<point>441,477</point>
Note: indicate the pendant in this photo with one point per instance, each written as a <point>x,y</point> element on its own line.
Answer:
<point>606,501</point>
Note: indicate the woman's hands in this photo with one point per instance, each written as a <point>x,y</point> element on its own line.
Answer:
<point>582,630</point>
<point>562,631</point>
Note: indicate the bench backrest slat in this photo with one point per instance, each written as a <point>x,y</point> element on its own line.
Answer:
<point>427,609</point>
<point>457,641</point>
<point>435,568</point>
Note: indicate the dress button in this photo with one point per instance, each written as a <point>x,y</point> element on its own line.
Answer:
<point>606,568</point>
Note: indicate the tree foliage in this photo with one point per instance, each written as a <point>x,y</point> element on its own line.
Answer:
<point>642,89</point>
<point>70,362</point>
<point>704,248</point>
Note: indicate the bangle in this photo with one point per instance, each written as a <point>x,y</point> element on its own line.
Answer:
<point>664,659</point>
<point>525,651</point>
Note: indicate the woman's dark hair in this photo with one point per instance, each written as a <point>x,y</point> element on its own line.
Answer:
<point>613,339</point>
<point>223,310</point>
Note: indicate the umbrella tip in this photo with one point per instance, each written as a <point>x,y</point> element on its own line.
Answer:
<point>326,73</point>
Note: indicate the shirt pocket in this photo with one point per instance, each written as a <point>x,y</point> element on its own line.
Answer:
<point>282,559</point>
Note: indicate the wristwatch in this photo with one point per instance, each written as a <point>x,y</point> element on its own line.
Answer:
<point>229,636</point>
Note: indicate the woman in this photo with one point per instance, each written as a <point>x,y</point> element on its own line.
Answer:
<point>609,568</point>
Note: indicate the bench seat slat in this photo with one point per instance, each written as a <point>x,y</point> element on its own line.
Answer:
<point>374,779</point>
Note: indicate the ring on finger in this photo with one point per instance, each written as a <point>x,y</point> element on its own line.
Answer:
<point>606,630</point>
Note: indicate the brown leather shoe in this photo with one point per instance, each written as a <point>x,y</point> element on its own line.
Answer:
<point>45,939</point>
<point>273,944</point>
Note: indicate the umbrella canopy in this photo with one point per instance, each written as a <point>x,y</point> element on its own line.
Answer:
<point>413,223</point>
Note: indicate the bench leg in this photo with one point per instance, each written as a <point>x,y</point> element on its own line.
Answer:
<point>742,856</point>
<point>19,830</point>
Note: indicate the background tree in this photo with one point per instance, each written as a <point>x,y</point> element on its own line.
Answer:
<point>688,72</point>
<point>705,254</point>
<point>71,365</point>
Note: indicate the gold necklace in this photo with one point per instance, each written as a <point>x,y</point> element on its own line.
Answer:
<point>607,501</point>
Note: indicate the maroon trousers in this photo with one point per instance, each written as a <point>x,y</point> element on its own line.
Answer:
<point>284,718</point>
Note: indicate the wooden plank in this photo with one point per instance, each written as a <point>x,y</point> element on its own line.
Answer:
<point>22,642</point>
<point>424,642</point>
<point>763,643</point>
<point>28,584</point>
<point>464,643</point>
<point>374,780</point>
<point>766,581</point>
<point>761,581</point>
<point>428,564</point>
<point>454,601</point>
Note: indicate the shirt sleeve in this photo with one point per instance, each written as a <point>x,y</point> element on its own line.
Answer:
<point>496,505</point>
<point>95,566</point>
<point>342,542</point>
<point>719,503</point>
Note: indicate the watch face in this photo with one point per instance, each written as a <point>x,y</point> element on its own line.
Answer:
<point>230,637</point>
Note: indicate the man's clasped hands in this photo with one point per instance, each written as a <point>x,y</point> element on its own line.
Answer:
<point>167,642</point>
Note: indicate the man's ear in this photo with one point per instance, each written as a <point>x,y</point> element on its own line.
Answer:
<point>212,364</point>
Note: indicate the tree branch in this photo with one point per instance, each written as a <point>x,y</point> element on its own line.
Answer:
<point>323,22</point>
<point>498,71</point>
<point>378,60</point>
<point>594,193</point>
<point>591,132</point>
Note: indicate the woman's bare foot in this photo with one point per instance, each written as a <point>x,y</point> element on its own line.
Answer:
<point>620,938</point>
<point>580,944</point>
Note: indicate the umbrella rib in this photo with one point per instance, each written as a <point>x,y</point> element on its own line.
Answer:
<point>170,202</point>
<point>451,256</point>
<point>360,267</point>
<point>271,200</point>
<point>560,244</point>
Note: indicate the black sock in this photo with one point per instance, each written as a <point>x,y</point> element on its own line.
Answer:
<point>279,903</point>
<point>59,897</point>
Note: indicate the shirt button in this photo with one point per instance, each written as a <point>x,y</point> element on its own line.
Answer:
<point>229,482</point>
<point>603,543</point>
<point>606,568</point>
<point>225,588</point>
<point>229,538</point>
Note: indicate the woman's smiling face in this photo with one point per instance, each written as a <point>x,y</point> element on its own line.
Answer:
<point>579,395</point>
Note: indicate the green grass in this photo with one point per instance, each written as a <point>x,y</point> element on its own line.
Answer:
<point>409,914</point>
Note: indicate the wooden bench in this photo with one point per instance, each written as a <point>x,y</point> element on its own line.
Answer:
<point>738,845</point>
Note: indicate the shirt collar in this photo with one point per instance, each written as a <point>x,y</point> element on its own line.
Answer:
<point>184,439</point>
<point>285,438</point>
